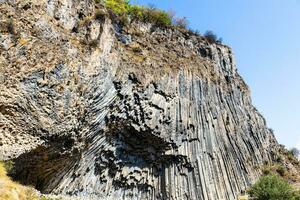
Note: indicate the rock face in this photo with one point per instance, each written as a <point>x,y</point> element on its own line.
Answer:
<point>94,110</point>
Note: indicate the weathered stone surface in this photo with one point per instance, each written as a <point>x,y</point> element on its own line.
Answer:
<point>91,110</point>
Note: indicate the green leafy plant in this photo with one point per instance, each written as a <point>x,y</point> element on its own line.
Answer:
<point>153,15</point>
<point>124,12</point>
<point>272,187</point>
<point>119,7</point>
<point>123,9</point>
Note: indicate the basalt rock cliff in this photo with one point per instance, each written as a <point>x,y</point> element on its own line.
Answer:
<point>95,110</point>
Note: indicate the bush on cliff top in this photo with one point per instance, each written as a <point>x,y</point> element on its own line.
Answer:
<point>212,37</point>
<point>273,187</point>
<point>123,9</point>
<point>150,14</point>
<point>119,7</point>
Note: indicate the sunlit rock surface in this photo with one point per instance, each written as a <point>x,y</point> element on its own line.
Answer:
<point>93,110</point>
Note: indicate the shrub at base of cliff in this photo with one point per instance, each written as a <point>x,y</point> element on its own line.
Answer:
<point>273,187</point>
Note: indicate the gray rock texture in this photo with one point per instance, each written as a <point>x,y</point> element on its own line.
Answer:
<point>97,111</point>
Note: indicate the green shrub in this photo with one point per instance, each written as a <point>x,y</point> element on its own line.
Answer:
<point>137,11</point>
<point>296,195</point>
<point>123,12</point>
<point>153,15</point>
<point>119,7</point>
<point>123,9</point>
<point>273,188</point>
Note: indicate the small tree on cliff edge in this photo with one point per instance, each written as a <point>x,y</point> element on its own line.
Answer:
<point>212,37</point>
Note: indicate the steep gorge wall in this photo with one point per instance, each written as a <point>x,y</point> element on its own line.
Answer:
<point>94,110</point>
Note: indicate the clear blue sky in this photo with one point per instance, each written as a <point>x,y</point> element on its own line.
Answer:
<point>265,37</point>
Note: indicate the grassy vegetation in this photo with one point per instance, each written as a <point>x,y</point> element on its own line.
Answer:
<point>275,168</point>
<point>279,180</point>
<point>281,169</point>
<point>291,155</point>
<point>273,187</point>
<point>124,10</point>
<point>119,7</point>
<point>10,190</point>
<point>150,14</point>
